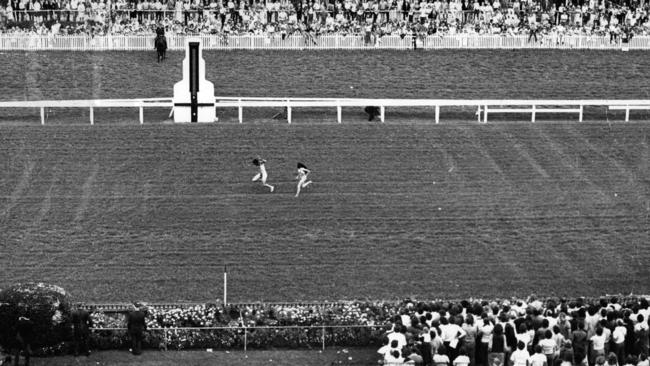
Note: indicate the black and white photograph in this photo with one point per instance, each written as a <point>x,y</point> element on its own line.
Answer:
<point>325,182</point>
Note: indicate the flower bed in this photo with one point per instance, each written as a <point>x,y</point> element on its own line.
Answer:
<point>303,326</point>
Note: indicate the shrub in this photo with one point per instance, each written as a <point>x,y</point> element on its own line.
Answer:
<point>47,306</point>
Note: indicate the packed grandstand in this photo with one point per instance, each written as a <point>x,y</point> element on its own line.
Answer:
<point>228,17</point>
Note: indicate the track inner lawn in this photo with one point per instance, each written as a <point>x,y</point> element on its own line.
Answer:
<point>154,212</point>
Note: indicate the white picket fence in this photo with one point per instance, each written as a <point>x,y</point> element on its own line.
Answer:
<point>329,41</point>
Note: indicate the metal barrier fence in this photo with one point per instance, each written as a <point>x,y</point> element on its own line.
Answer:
<point>298,42</point>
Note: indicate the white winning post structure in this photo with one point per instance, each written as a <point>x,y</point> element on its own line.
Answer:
<point>194,101</point>
<point>194,95</point>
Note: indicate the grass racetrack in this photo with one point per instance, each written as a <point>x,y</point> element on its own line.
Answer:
<point>119,212</point>
<point>153,212</point>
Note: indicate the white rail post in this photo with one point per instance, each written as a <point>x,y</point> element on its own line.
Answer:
<point>43,115</point>
<point>532,118</point>
<point>382,113</point>
<point>627,113</point>
<point>241,112</point>
<point>485,114</point>
<point>437,114</point>
<point>338,111</point>
<point>92,116</point>
<point>478,114</point>
<point>141,114</point>
<point>288,111</point>
<point>581,108</point>
<point>225,285</point>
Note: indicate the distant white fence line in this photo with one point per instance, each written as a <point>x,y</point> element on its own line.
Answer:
<point>330,41</point>
<point>483,106</point>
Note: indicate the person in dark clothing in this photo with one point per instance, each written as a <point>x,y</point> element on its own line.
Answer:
<point>580,343</point>
<point>136,326</point>
<point>425,351</point>
<point>372,112</point>
<point>81,324</point>
<point>24,338</point>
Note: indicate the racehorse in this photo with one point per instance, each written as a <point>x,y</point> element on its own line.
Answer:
<point>161,46</point>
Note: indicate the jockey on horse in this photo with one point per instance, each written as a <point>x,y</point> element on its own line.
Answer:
<point>160,43</point>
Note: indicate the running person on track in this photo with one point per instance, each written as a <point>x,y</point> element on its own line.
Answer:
<point>262,174</point>
<point>303,172</point>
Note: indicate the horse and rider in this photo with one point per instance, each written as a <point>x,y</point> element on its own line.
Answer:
<point>161,43</point>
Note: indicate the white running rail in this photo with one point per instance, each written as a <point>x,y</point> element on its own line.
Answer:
<point>144,42</point>
<point>484,106</point>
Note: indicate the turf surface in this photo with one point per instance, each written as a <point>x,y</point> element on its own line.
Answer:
<point>154,212</point>
<point>118,212</point>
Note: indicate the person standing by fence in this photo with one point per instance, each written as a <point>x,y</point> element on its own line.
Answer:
<point>136,325</point>
<point>81,324</point>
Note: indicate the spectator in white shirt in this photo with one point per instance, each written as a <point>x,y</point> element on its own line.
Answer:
<point>462,359</point>
<point>398,335</point>
<point>597,344</point>
<point>387,348</point>
<point>451,334</point>
<point>485,335</point>
<point>538,359</point>
<point>618,336</point>
<point>441,358</point>
<point>520,357</point>
<point>549,347</point>
<point>393,358</point>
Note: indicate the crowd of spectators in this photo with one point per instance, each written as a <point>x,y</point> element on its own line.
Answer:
<point>518,333</point>
<point>313,17</point>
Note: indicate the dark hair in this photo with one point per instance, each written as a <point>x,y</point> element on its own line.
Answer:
<point>395,353</point>
<point>498,329</point>
<point>599,330</point>
<point>522,328</point>
<point>631,359</point>
<point>612,359</point>
<point>394,343</point>
<point>538,348</point>
<point>545,323</point>
<point>469,320</point>
<point>521,345</point>
<point>548,334</point>
<point>441,350</point>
